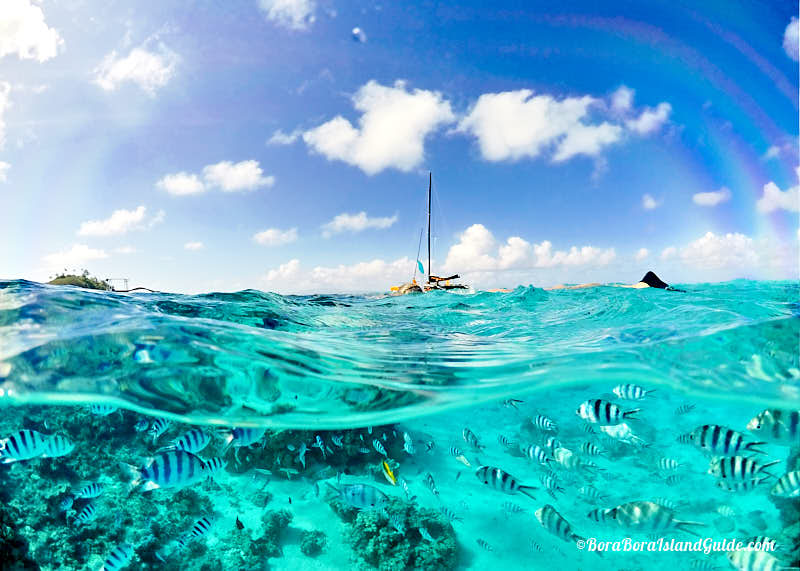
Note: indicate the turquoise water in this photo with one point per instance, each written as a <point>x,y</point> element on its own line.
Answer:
<point>357,369</point>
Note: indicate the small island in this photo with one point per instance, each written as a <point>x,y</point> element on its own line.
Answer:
<point>84,280</point>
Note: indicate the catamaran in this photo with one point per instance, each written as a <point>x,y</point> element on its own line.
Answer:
<point>433,282</point>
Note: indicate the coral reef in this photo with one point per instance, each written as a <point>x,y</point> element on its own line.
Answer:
<point>275,524</point>
<point>312,542</point>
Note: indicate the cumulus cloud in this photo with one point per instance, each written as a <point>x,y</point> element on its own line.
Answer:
<point>391,130</point>
<point>650,120</point>
<point>120,222</point>
<point>24,32</point>
<point>4,168</point>
<point>193,246</point>
<point>125,250</point>
<point>712,198</point>
<point>77,255</point>
<point>641,254</point>
<point>373,275</point>
<point>716,251</point>
<point>281,138</point>
<point>150,69</point>
<point>181,184</point>
<point>478,250</point>
<point>669,252</point>
<point>791,39</point>
<point>225,175</point>
<point>285,271</point>
<point>650,203</point>
<point>289,14</point>
<point>233,177</point>
<point>774,198</point>
<point>275,236</point>
<point>622,99</point>
<point>772,152</point>
<point>5,103</point>
<point>355,223</point>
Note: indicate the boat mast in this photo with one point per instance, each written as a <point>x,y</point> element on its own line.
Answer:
<point>429,225</point>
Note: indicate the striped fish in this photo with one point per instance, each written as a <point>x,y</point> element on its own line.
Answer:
<point>449,514</point>
<point>668,464</point>
<point>66,503</point>
<point>504,441</point>
<point>603,412</point>
<point>159,426</point>
<point>337,440</point>
<point>674,479</point>
<point>787,486</point>
<point>377,445</point>
<point>554,523</point>
<point>456,453</point>
<point>667,503</point>
<point>86,515</point>
<point>173,469</point>
<point>539,454</point>
<point>685,408</point>
<point>215,465</point>
<point>22,445</point>
<point>550,482</point>
<point>726,511</point>
<point>243,437</point>
<point>551,443</point>
<point>544,423</point>
<point>591,449</point>
<point>512,508</point>
<point>719,440</point>
<point>779,426</point>
<point>483,545</point>
<point>755,561</point>
<point>199,529</point>
<point>739,468</point>
<point>502,481</point>
<point>92,490</point>
<point>363,497</point>
<point>57,446</point>
<point>591,493</point>
<point>102,409</point>
<point>119,557</point>
<point>602,515</point>
<point>470,438</point>
<point>429,481</point>
<point>743,486</point>
<point>192,441</point>
<point>629,391</point>
<point>649,516</point>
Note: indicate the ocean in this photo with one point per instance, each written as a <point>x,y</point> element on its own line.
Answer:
<point>603,429</point>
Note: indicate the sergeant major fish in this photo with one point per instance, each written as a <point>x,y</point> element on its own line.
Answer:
<point>719,440</point>
<point>118,558</point>
<point>787,486</point>
<point>377,445</point>
<point>502,481</point>
<point>199,529</point>
<point>471,439</point>
<point>629,391</point>
<point>91,490</point>
<point>429,481</point>
<point>739,468</point>
<point>555,523</point>
<point>192,441</point>
<point>649,516</point>
<point>86,515</point>
<point>778,426</point>
<point>604,413</point>
<point>56,446</point>
<point>22,445</point>
<point>159,426</point>
<point>173,469</point>
<point>362,496</point>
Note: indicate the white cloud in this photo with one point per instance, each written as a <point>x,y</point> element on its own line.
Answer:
<point>773,152</point>
<point>4,168</point>
<point>120,222</point>
<point>24,32</point>
<point>232,177</point>
<point>193,246</point>
<point>150,70</point>
<point>374,275</point>
<point>355,223</point>
<point>650,203</point>
<point>791,39</point>
<point>712,198</point>
<point>78,254</point>
<point>478,250</point>
<point>774,198</point>
<point>641,254</point>
<point>516,124</point>
<point>650,119</point>
<point>290,14</point>
<point>281,138</point>
<point>181,184</point>
<point>358,35</point>
<point>157,219</point>
<point>5,103</point>
<point>125,250</point>
<point>622,99</point>
<point>391,130</point>
<point>712,251</point>
<point>669,252</point>
<point>275,236</point>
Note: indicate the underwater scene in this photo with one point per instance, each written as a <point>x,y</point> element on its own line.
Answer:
<point>603,429</point>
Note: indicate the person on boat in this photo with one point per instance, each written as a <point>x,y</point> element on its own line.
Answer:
<point>650,279</point>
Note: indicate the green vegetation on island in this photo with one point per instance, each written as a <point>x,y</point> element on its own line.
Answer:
<point>83,280</point>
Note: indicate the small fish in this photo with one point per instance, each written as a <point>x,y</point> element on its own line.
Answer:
<point>787,486</point>
<point>726,511</point>
<point>22,445</point>
<point>755,561</point>
<point>243,437</point>
<point>649,516</point>
<point>119,557</point>
<point>675,479</point>
<point>449,514</point>
<point>602,515</point>
<point>141,425</point>
<point>425,534</point>
<point>551,443</point>
<point>408,446</point>
<point>66,503</point>
<point>502,481</point>
<point>484,545</point>
<point>685,408</point>
<point>192,441</point>
<point>363,497</point>
<point>555,523</point>
<point>383,437</point>
<point>319,444</point>
<point>629,391</point>
<point>591,493</point>
<point>702,565</point>
<point>456,453</point>
<point>623,433</point>
<point>429,481</point>
<point>378,446</point>
<point>667,503</point>
<point>56,446</point>
<point>739,468</point>
<point>92,490</point>
<point>743,486</point>
<point>668,464</point>
<point>160,425</point>
<point>397,523</point>
<point>603,412</point>
<point>86,515</point>
<point>591,449</point>
<point>535,546</point>
<point>388,474</point>
<point>504,441</point>
<point>369,430</point>
<point>719,440</point>
<point>407,490</point>
<point>544,423</point>
<point>512,508</point>
<point>102,409</point>
<point>364,450</point>
<point>173,469</point>
<point>470,438</point>
<point>778,426</point>
<point>199,529</point>
<point>240,525</point>
<point>588,428</point>
<point>215,465</point>
<point>337,440</point>
<point>550,482</point>
<point>512,403</point>
<point>301,454</point>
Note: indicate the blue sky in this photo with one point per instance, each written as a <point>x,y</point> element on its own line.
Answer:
<point>269,144</point>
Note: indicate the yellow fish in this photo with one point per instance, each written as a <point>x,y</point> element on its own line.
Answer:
<point>387,471</point>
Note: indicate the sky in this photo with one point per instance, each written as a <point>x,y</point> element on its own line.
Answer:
<point>285,145</point>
